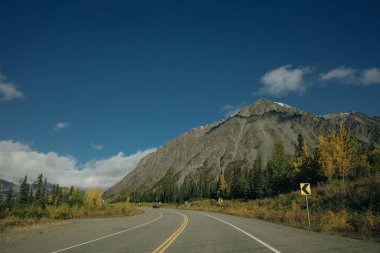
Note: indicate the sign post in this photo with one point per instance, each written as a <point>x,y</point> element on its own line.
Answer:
<point>306,190</point>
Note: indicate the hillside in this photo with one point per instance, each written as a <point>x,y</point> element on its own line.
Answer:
<point>241,138</point>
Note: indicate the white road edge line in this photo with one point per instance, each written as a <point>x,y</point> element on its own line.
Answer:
<point>244,232</point>
<point>103,237</point>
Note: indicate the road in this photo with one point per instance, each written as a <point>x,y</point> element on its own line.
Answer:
<point>168,230</point>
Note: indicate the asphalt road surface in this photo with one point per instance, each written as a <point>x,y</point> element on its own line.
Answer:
<point>167,230</point>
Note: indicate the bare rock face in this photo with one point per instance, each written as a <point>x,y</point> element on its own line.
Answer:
<point>242,137</point>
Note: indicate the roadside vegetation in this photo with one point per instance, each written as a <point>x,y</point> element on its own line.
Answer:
<point>348,209</point>
<point>62,203</point>
<point>345,187</point>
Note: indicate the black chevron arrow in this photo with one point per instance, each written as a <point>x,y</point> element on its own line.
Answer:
<point>305,190</point>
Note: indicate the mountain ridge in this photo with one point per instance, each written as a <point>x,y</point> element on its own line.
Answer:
<point>242,137</point>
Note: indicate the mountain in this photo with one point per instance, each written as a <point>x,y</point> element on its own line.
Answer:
<point>240,138</point>
<point>6,184</point>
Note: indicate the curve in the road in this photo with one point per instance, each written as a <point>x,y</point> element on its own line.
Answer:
<point>171,239</point>
<point>113,234</point>
<point>244,232</point>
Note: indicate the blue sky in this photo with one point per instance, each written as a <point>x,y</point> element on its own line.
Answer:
<point>89,80</point>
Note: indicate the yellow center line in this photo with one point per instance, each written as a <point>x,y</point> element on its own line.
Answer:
<point>172,238</point>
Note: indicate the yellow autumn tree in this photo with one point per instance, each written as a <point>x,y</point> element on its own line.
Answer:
<point>94,197</point>
<point>325,157</point>
<point>344,147</point>
<point>338,154</point>
<point>222,187</point>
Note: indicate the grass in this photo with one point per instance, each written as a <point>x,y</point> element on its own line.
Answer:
<point>27,216</point>
<point>350,209</point>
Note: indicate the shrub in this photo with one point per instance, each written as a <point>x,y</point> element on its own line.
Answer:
<point>94,197</point>
<point>335,221</point>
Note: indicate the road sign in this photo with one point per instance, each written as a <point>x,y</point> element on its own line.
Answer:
<point>305,189</point>
<point>220,200</point>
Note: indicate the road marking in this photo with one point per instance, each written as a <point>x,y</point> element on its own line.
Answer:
<point>244,232</point>
<point>172,238</point>
<point>103,237</point>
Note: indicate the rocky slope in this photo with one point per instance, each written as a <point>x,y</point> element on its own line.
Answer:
<point>242,137</point>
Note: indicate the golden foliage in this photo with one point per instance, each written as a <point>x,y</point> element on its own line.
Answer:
<point>94,197</point>
<point>338,154</point>
<point>335,221</point>
<point>325,157</point>
<point>222,186</point>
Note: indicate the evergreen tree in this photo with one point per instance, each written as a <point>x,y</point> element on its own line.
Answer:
<point>257,180</point>
<point>31,195</point>
<point>277,170</point>
<point>40,193</point>
<point>69,194</point>
<point>269,180</point>
<point>9,201</point>
<point>188,189</point>
<point>45,196</point>
<point>54,194</point>
<point>205,187</point>
<point>244,183</point>
<point>236,187</point>
<point>299,146</point>
<point>39,187</point>
<point>59,196</point>
<point>24,192</point>
<point>374,159</point>
<point>2,204</point>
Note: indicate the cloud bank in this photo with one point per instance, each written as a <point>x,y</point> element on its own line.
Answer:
<point>283,80</point>
<point>346,75</point>
<point>370,76</point>
<point>18,159</point>
<point>343,74</point>
<point>8,91</point>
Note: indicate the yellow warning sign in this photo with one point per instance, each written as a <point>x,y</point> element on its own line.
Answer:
<point>305,188</point>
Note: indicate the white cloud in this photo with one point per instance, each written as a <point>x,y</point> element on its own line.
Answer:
<point>353,76</point>
<point>18,159</point>
<point>61,125</point>
<point>97,146</point>
<point>230,110</point>
<point>283,80</point>
<point>371,76</point>
<point>8,90</point>
<point>343,74</point>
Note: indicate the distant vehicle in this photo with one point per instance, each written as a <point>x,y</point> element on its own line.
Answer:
<point>156,205</point>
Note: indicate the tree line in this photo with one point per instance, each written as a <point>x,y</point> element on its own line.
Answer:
<point>337,156</point>
<point>40,197</point>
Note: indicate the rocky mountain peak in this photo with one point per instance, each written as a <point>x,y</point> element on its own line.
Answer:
<point>240,139</point>
<point>263,106</point>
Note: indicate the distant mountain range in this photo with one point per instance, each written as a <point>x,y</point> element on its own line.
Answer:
<point>5,185</point>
